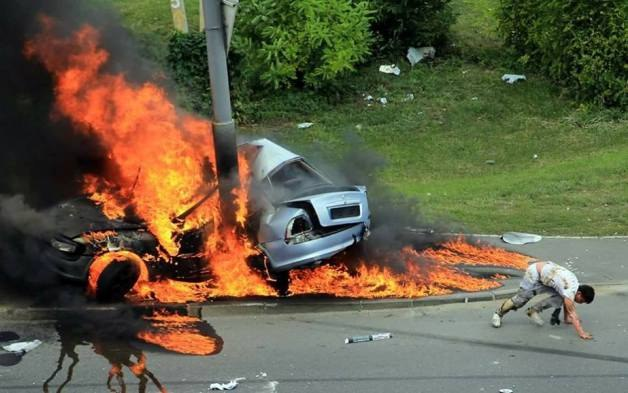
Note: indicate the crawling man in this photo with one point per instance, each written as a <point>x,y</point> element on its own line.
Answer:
<point>564,290</point>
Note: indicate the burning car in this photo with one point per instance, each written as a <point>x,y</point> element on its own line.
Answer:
<point>300,219</point>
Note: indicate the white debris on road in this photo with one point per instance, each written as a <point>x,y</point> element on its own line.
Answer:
<point>506,390</point>
<point>415,55</point>
<point>519,238</point>
<point>22,347</point>
<point>512,78</point>
<point>226,386</point>
<point>390,69</point>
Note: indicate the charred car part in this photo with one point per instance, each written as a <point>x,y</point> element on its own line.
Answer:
<point>301,219</point>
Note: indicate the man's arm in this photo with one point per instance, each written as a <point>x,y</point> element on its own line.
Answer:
<point>572,316</point>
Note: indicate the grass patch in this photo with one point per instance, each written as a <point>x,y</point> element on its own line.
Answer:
<point>462,116</point>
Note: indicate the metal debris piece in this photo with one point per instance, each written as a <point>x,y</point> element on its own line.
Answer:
<point>370,337</point>
<point>512,78</point>
<point>390,69</point>
<point>22,347</point>
<point>415,55</point>
<point>226,386</point>
<point>305,125</point>
<point>520,238</point>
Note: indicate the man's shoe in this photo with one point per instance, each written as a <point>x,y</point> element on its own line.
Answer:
<point>535,317</point>
<point>496,321</point>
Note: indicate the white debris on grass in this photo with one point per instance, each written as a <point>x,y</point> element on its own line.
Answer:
<point>415,55</point>
<point>22,347</point>
<point>369,98</point>
<point>512,78</point>
<point>474,98</point>
<point>305,125</point>
<point>390,69</point>
<point>383,100</point>
<point>226,386</point>
<point>519,238</point>
<point>408,97</point>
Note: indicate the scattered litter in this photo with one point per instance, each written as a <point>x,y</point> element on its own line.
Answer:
<point>305,125</point>
<point>22,347</point>
<point>390,69</point>
<point>506,390</point>
<point>490,162</point>
<point>226,386</point>
<point>368,98</point>
<point>415,55</point>
<point>270,387</point>
<point>409,97</point>
<point>383,100</point>
<point>370,337</point>
<point>520,238</point>
<point>555,337</point>
<point>512,78</point>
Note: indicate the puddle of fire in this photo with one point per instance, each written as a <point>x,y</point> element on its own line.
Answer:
<point>179,333</point>
<point>158,168</point>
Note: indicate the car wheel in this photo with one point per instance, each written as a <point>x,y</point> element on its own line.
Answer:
<point>113,275</point>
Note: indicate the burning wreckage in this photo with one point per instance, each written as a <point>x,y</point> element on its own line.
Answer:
<point>301,219</point>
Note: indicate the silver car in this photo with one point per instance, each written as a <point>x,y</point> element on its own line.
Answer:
<point>305,218</point>
<point>300,218</point>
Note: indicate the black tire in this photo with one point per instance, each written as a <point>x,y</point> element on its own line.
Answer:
<point>116,281</point>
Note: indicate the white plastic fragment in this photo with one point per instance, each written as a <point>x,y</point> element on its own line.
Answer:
<point>512,78</point>
<point>505,390</point>
<point>305,125</point>
<point>390,69</point>
<point>368,98</point>
<point>261,375</point>
<point>226,386</point>
<point>415,55</point>
<point>22,347</point>
<point>383,100</point>
<point>409,97</point>
<point>520,238</point>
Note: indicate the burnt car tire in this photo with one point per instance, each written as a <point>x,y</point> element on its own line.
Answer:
<point>116,281</point>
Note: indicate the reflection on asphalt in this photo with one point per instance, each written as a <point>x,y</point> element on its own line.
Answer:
<point>119,336</point>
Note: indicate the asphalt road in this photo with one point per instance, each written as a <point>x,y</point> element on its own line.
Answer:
<point>449,348</point>
<point>443,348</point>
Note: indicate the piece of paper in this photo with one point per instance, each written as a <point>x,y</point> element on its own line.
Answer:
<point>22,347</point>
<point>226,386</point>
<point>390,69</point>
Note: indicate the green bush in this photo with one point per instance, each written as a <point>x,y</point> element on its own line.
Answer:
<point>312,43</point>
<point>582,45</point>
<point>187,59</point>
<point>399,24</point>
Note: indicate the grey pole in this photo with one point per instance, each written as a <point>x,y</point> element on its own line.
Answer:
<point>223,125</point>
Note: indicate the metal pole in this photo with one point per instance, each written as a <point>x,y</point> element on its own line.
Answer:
<point>223,125</point>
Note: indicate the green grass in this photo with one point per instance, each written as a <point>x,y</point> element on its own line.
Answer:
<point>462,116</point>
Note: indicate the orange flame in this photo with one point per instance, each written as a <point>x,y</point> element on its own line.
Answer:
<point>180,334</point>
<point>426,273</point>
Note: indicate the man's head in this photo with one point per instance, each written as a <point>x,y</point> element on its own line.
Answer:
<point>585,294</point>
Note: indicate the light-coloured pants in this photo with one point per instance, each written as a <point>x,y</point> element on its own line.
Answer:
<point>531,286</point>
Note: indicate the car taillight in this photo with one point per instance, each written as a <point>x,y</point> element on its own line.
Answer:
<point>297,230</point>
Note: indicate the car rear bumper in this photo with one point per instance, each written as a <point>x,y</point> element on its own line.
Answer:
<point>284,256</point>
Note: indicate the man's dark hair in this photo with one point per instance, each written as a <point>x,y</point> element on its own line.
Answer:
<point>588,293</point>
